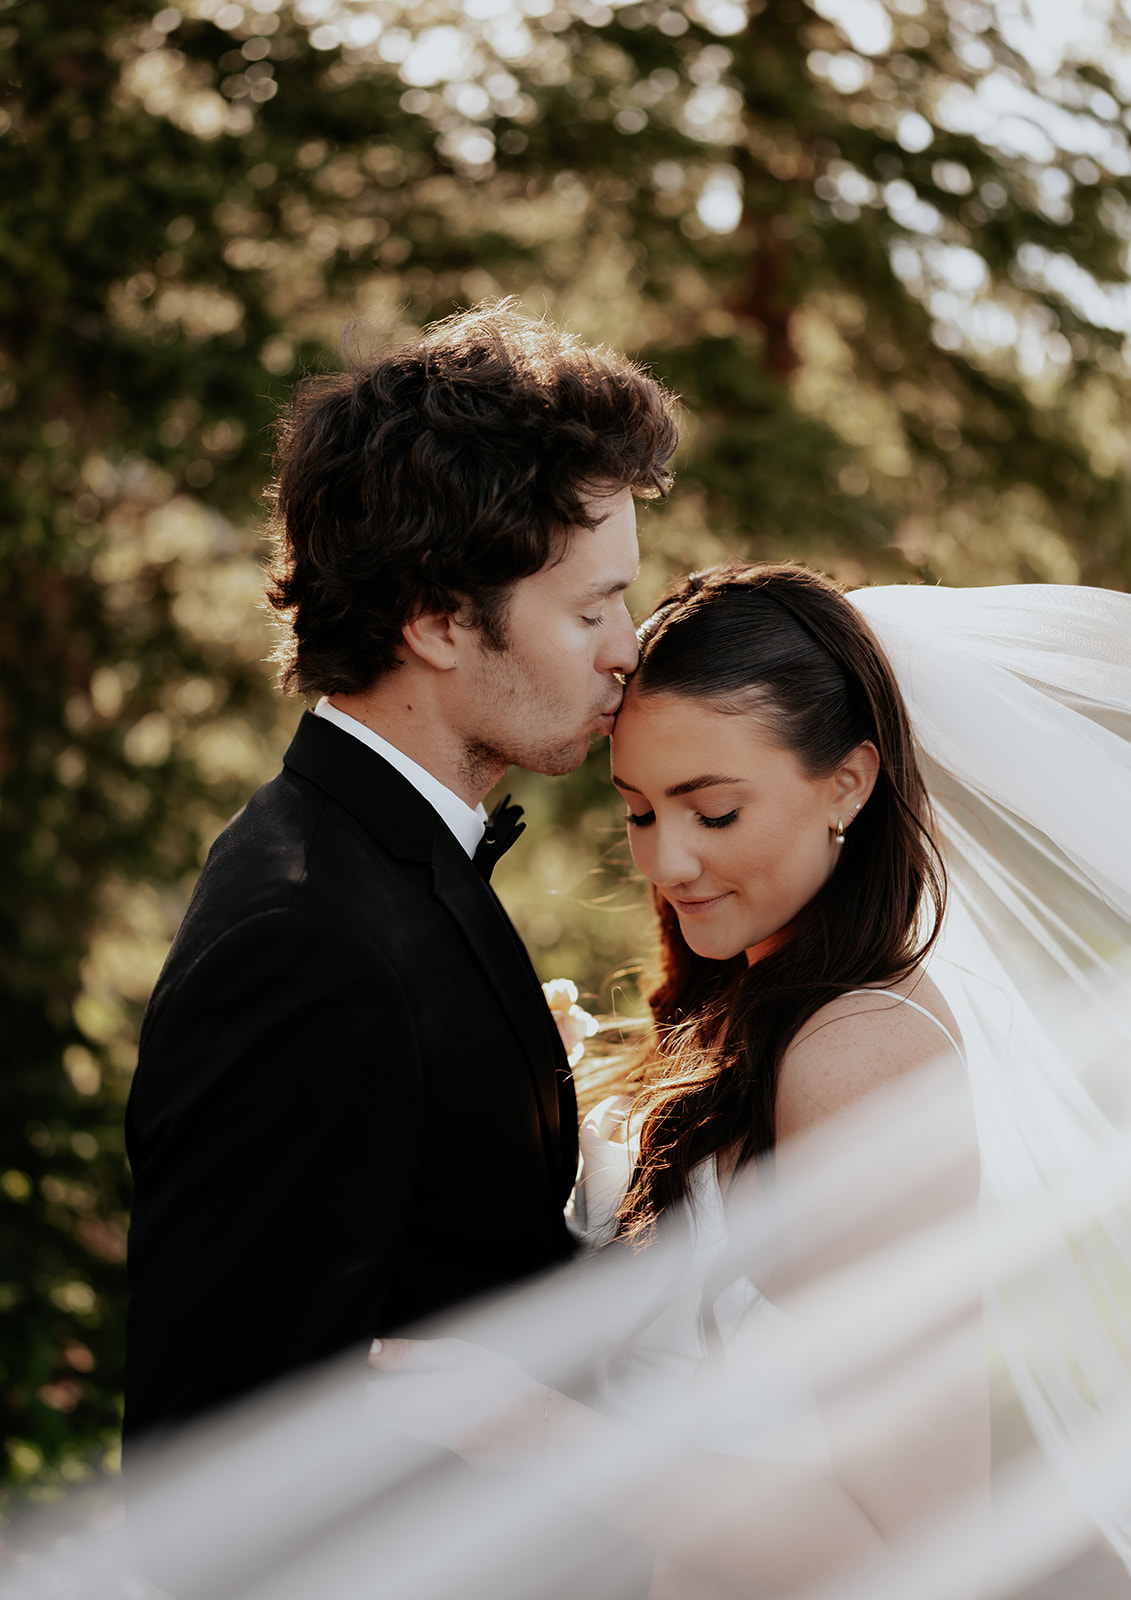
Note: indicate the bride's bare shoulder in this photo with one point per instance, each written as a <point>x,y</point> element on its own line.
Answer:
<point>859,1042</point>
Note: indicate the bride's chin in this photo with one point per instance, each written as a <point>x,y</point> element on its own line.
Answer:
<point>709,949</point>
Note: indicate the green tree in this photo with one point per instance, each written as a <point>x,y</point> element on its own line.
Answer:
<point>879,248</point>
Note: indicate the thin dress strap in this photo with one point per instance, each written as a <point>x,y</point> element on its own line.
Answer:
<point>906,1000</point>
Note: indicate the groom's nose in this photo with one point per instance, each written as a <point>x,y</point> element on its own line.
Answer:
<point>619,650</point>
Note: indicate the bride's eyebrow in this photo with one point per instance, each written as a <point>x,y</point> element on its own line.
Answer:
<point>709,780</point>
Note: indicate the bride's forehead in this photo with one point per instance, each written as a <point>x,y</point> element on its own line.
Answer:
<point>667,730</point>
<point>646,715</point>
<point>687,715</point>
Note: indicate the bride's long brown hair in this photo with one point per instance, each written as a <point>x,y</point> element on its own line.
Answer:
<point>781,644</point>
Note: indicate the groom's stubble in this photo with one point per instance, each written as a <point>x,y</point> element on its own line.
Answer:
<point>554,681</point>
<point>538,745</point>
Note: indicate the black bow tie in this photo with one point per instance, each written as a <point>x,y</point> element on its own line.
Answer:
<point>503,828</point>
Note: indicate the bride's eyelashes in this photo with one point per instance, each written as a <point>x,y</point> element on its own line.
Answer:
<point>720,822</point>
<point>645,819</point>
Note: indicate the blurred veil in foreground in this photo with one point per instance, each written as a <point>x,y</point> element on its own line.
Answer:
<point>851,1297</point>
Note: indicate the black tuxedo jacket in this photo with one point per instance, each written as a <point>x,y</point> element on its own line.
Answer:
<point>351,1106</point>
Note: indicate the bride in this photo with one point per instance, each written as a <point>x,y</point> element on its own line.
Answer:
<point>775,803</point>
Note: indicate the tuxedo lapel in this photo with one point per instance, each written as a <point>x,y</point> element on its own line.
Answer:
<point>389,808</point>
<point>361,781</point>
<point>507,968</point>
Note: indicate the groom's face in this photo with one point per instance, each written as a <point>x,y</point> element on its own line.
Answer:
<point>538,702</point>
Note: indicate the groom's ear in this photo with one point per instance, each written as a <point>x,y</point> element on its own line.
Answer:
<point>434,637</point>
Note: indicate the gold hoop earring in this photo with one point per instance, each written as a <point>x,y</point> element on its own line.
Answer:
<point>839,831</point>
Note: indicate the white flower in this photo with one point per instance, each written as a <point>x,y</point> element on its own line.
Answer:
<point>574,1024</point>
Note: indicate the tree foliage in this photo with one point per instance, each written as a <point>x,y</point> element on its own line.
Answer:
<point>878,248</point>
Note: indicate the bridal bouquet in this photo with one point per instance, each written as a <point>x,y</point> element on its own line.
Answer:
<point>574,1024</point>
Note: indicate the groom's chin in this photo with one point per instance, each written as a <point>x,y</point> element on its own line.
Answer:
<point>565,759</point>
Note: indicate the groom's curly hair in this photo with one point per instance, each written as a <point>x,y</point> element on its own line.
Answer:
<point>434,478</point>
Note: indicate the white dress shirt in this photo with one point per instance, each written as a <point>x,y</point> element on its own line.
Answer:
<point>465,823</point>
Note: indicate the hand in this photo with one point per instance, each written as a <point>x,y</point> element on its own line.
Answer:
<point>459,1395</point>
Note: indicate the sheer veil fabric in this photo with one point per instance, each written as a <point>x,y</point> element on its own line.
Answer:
<point>1020,698</point>
<point>1021,703</point>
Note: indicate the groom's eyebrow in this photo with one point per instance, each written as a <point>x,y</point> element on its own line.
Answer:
<point>709,780</point>
<point>605,591</point>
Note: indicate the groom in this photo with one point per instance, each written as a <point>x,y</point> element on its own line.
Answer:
<point>351,1107</point>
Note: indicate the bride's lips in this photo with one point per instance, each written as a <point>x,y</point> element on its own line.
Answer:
<point>694,908</point>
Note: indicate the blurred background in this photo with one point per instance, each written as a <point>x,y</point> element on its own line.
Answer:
<point>878,246</point>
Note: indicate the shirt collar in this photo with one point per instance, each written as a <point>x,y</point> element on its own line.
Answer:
<point>465,823</point>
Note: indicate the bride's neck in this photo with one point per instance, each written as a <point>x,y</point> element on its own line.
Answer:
<point>766,947</point>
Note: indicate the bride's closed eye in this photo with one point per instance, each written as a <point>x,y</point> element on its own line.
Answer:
<point>720,822</point>
<point>644,819</point>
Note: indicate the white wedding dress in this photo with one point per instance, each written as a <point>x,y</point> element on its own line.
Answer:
<point>776,1418</point>
<point>665,1355</point>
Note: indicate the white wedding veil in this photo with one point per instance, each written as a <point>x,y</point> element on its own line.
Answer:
<point>1020,699</point>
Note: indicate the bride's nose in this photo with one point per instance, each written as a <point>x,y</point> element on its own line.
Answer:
<point>673,861</point>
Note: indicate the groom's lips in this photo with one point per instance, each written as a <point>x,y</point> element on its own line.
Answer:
<point>606,720</point>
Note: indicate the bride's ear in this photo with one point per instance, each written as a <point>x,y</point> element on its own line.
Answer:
<point>855,779</point>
